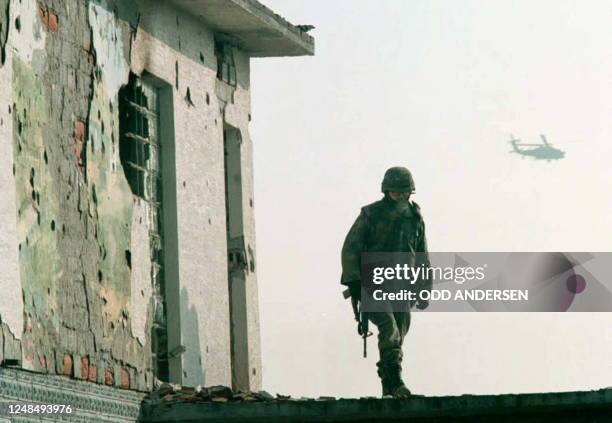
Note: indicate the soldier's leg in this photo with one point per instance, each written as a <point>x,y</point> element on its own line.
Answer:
<point>389,346</point>
<point>402,322</point>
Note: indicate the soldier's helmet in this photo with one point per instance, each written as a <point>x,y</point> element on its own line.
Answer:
<point>398,179</point>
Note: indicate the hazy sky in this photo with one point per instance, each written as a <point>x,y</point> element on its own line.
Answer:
<point>437,86</point>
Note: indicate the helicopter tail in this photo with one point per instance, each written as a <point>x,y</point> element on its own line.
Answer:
<point>513,142</point>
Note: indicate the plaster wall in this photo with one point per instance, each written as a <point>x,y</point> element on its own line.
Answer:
<point>74,252</point>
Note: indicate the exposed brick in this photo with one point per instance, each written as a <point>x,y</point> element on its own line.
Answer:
<point>53,22</point>
<point>49,19</point>
<point>125,378</point>
<point>79,130</point>
<point>68,365</point>
<point>108,376</point>
<point>79,136</point>
<point>92,374</point>
<point>84,367</point>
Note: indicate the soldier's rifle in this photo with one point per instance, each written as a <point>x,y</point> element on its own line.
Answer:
<point>362,320</point>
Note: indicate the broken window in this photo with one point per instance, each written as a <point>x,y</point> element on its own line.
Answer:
<point>226,67</point>
<point>140,154</point>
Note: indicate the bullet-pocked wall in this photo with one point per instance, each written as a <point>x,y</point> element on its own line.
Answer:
<point>76,249</point>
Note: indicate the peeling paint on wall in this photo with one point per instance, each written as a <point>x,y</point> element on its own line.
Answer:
<point>75,241</point>
<point>141,270</point>
<point>11,301</point>
<point>108,44</point>
<point>26,35</point>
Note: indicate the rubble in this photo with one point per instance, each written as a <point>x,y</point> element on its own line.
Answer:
<point>167,393</point>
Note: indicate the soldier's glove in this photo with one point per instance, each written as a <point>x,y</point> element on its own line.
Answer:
<point>422,304</point>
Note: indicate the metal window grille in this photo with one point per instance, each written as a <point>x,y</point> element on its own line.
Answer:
<point>140,154</point>
<point>226,67</point>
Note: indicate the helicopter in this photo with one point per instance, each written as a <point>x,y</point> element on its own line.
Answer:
<point>544,151</point>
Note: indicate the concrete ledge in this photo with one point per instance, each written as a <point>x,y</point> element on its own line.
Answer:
<point>591,406</point>
<point>257,29</point>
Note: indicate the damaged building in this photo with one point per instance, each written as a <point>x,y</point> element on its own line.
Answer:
<point>127,248</point>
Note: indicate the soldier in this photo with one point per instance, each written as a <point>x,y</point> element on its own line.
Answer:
<point>392,224</point>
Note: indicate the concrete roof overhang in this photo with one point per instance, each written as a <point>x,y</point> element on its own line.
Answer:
<point>255,28</point>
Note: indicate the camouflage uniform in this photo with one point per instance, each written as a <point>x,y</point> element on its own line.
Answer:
<point>387,226</point>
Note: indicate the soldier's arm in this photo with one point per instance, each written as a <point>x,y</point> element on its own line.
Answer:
<point>423,254</point>
<point>354,245</point>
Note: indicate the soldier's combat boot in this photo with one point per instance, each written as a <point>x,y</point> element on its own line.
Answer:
<point>386,383</point>
<point>397,387</point>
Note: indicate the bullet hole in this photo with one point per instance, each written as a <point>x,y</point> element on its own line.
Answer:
<point>45,158</point>
<point>254,371</point>
<point>102,126</point>
<point>9,109</point>
<point>251,202</point>
<point>184,373</point>
<point>100,276</point>
<point>176,71</point>
<point>19,127</point>
<point>201,57</point>
<point>209,221</point>
<point>27,241</point>
<point>38,218</point>
<point>33,195</point>
<point>99,115</point>
<point>249,117</point>
<point>188,99</point>
<point>128,258</point>
<point>184,184</point>
<point>112,325</point>
<point>142,293</point>
<point>20,246</point>
<point>215,122</point>
<point>94,196</point>
<point>110,106</point>
<point>13,169</point>
<point>207,98</point>
<point>18,24</point>
<point>63,228</point>
<point>53,225</point>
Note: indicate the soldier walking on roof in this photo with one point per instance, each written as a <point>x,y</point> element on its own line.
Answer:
<point>392,224</point>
